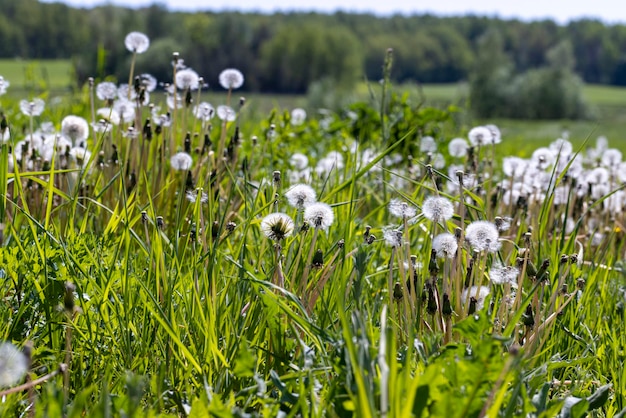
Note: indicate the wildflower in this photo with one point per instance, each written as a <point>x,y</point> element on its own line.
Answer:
<point>148,82</point>
<point>13,365</point>
<point>277,226</point>
<point>319,215</point>
<point>428,144</point>
<point>300,196</point>
<point>480,136</point>
<point>109,115</point>
<point>483,236</point>
<point>181,161</point>
<point>33,108</point>
<point>137,42</point>
<point>4,84</point>
<point>503,274</point>
<point>514,166</point>
<point>174,101</point>
<point>75,128</point>
<point>187,79</point>
<point>226,113</point>
<point>401,209</point>
<point>445,245</point>
<point>204,111</point>
<point>611,158</point>
<point>299,161</point>
<point>193,195</point>
<point>561,147</point>
<point>542,158</point>
<point>458,147</point>
<point>393,237</point>
<point>125,108</point>
<point>80,155</point>
<point>496,136</point>
<point>106,91</point>
<point>231,79</point>
<point>437,209</point>
<point>482,292</point>
<point>598,175</point>
<point>298,116</point>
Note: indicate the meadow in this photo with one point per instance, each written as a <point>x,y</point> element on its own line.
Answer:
<point>166,256</point>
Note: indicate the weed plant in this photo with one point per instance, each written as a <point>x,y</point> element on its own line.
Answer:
<point>169,258</point>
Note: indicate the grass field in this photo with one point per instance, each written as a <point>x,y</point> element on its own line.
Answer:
<point>37,75</point>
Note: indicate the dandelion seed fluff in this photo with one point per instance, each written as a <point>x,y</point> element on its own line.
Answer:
<point>501,275</point>
<point>106,91</point>
<point>80,155</point>
<point>4,84</point>
<point>204,111</point>
<point>125,109</point>
<point>13,365</point>
<point>298,116</point>
<point>428,144</point>
<point>483,292</point>
<point>458,148</point>
<point>542,158</point>
<point>561,147</point>
<point>277,226</point>
<point>483,236</point>
<point>75,128</point>
<point>401,209</point>
<point>319,215</point>
<point>437,208</point>
<point>479,136</point>
<point>148,81</point>
<point>393,237</point>
<point>496,136</point>
<point>32,108</point>
<point>514,166</point>
<point>109,115</point>
<point>181,161</point>
<point>187,79</point>
<point>598,175</point>
<point>445,245</point>
<point>611,158</point>
<point>226,113</point>
<point>231,79</point>
<point>300,195</point>
<point>299,161</point>
<point>137,42</point>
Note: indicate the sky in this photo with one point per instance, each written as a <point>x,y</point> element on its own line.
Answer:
<point>562,11</point>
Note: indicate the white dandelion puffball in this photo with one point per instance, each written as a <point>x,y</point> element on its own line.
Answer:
<point>231,79</point>
<point>300,196</point>
<point>428,144</point>
<point>277,226</point>
<point>137,42</point>
<point>204,111</point>
<point>148,81</point>
<point>300,161</point>
<point>298,116</point>
<point>32,108</point>
<point>401,209</point>
<point>75,128</point>
<point>187,79</point>
<point>501,275</point>
<point>181,161</point>
<point>458,148</point>
<point>125,109</point>
<point>483,236</point>
<point>4,84</point>
<point>226,113</point>
<point>445,245</point>
<point>319,215</point>
<point>106,91</point>
<point>482,292</point>
<point>393,237</point>
<point>437,208</point>
<point>13,365</point>
<point>480,135</point>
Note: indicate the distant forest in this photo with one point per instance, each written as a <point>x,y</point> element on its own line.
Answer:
<point>285,53</point>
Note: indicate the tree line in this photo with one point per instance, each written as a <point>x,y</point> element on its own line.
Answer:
<point>285,53</point>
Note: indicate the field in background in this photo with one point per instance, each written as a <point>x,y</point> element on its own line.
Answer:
<point>37,75</point>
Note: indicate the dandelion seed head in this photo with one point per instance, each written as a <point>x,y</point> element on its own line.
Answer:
<point>75,128</point>
<point>445,245</point>
<point>137,42</point>
<point>483,292</point>
<point>125,109</point>
<point>299,161</point>
<point>277,226</point>
<point>501,275</point>
<point>458,148</point>
<point>514,166</point>
<point>109,114</point>
<point>106,91</point>
<point>32,108</point>
<point>187,79</point>
<point>437,208</point>
<point>4,84</point>
<point>401,209</point>
<point>496,135</point>
<point>226,113</point>
<point>231,79</point>
<point>319,215</point>
<point>598,175</point>
<point>542,158</point>
<point>300,195</point>
<point>611,158</point>
<point>80,155</point>
<point>13,365</point>
<point>428,144</point>
<point>480,136</point>
<point>181,161</point>
<point>194,195</point>
<point>393,237</point>
<point>148,81</point>
<point>561,147</point>
<point>298,116</point>
<point>483,236</point>
<point>204,111</point>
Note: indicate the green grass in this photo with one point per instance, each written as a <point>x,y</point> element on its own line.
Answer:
<point>37,75</point>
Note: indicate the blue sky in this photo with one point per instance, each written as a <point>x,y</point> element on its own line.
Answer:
<point>611,11</point>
